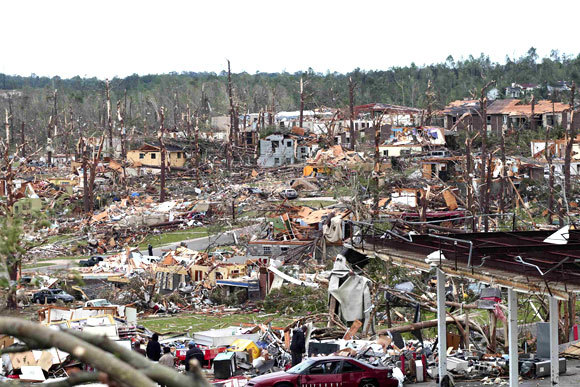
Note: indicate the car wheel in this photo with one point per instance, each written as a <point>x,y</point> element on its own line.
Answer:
<point>368,383</point>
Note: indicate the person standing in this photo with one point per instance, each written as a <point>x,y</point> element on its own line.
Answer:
<point>298,345</point>
<point>154,348</point>
<point>167,359</point>
<point>193,353</point>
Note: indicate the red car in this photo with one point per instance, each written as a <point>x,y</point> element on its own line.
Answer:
<point>330,371</point>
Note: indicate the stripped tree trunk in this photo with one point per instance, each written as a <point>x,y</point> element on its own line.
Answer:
<point>301,102</point>
<point>483,133</point>
<point>160,135</point>
<point>504,174</point>
<point>351,86</point>
<point>570,134</point>
<point>52,123</point>
<point>230,144</point>
<point>197,151</point>
<point>109,118</point>
<point>533,118</point>
<point>93,173</point>
<point>22,140</point>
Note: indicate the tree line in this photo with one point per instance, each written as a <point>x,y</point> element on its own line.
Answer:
<point>142,96</point>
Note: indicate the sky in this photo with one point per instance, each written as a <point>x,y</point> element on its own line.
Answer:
<point>118,38</point>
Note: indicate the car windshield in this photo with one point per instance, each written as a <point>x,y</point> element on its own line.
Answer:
<point>100,303</point>
<point>57,291</point>
<point>299,368</point>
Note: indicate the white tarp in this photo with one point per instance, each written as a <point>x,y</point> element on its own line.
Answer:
<point>290,279</point>
<point>352,293</point>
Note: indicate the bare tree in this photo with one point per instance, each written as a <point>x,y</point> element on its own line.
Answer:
<point>52,127</point>
<point>483,133</point>
<point>430,95</point>
<point>229,150</point>
<point>351,87</point>
<point>163,150</point>
<point>570,136</point>
<point>109,117</point>
<point>301,120</point>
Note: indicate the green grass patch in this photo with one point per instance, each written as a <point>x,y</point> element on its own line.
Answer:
<point>68,258</point>
<point>197,323</point>
<point>37,265</point>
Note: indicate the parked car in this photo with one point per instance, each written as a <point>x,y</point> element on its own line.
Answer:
<point>328,371</point>
<point>48,296</point>
<point>92,261</point>
<point>289,193</point>
<point>97,303</point>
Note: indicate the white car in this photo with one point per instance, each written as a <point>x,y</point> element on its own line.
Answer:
<point>97,303</point>
<point>289,193</point>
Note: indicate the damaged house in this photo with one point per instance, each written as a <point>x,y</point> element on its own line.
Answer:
<point>280,149</point>
<point>514,113</point>
<point>150,155</point>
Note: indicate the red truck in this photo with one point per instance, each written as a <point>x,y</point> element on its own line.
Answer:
<point>329,371</point>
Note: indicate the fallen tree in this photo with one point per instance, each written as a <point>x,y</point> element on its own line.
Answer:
<point>117,363</point>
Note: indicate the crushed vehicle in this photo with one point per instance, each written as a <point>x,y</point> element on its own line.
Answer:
<point>92,261</point>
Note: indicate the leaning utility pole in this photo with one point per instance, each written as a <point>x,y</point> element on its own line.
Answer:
<point>351,86</point>
<point>570,134</point>
<point>160,135</point>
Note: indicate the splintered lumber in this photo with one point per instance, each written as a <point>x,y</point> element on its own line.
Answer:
<point>420,325</point>
<point>352,330</point>
<point>450,200</point>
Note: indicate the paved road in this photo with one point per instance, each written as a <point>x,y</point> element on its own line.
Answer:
<point>201,244</point>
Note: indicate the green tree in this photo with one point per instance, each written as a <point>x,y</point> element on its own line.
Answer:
<point>11,254</point>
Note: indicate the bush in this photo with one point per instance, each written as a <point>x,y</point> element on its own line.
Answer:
<point>296,300</point>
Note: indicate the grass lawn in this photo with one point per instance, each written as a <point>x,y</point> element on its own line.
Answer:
<point>71,258</point>
<point>196,323</point>
<point>36,265</point>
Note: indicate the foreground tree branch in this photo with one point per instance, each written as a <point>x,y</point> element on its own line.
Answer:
<point>161,374</point>
<point>73,380</point>
<point>79,349</point>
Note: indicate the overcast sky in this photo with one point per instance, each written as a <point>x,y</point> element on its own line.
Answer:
<point>118,38</point>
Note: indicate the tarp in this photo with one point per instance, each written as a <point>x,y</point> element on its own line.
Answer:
<point>353,293</point>
<point>333,232</point>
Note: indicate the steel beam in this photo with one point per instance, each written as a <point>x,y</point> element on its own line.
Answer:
<point>513,336</point>
<point>554,354</point>
<point>441,324</point>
